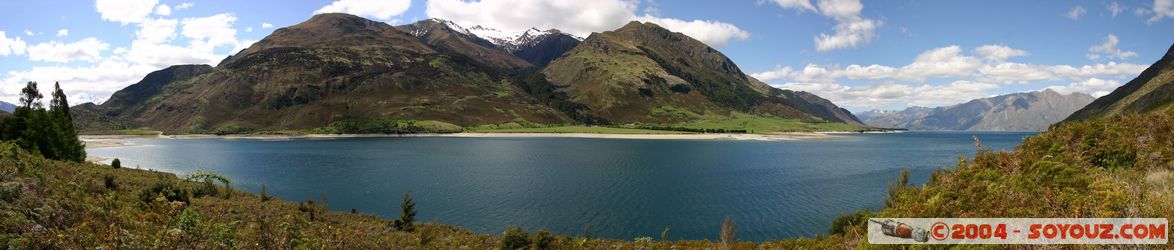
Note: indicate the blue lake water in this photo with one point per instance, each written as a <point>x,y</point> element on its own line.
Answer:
<point>621,188</point>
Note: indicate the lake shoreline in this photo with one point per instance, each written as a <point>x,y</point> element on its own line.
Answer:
<point>102,141</point>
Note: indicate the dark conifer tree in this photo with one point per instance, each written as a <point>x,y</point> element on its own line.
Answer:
<point>67,145</point>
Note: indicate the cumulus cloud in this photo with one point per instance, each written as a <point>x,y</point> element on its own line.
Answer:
<point>579,18</point>
<point>716,34</point>
<point>1108,50</point>
<point>266,25</point>
<point>89,49</point>
<point>1075,12</point>
<point>377,9</point>
<point>158,42</point>
<point>208,33</point>
<point>851,31</point>
<point>62,32</point>
<point>1094,86</point>
<point>943,76</point>
<point>801,5</point>
<point>998,53</point>
<point>82,83</point>
<point>125,11</point>
<point>163,10</point>
<point>888,94</point>
<point>11,46</point>
<point>1162,9</point>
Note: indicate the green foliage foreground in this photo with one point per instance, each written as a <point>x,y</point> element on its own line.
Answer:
<point>1116,167</point>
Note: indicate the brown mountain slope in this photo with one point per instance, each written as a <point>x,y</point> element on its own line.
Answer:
<point>647,74</point>
<point>337,67</point>
<point>1152,91</point>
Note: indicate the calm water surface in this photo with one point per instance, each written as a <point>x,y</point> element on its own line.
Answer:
<point>621,188</point>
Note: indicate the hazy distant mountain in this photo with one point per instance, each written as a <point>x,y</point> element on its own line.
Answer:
<point>1152,91</point>
<point>7,107</point>
<point>1031,111</point>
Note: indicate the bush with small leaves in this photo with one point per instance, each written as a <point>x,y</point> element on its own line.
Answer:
<point>108,181</point>
<point>543,239</point>
<point>116,163</point>
<point>166,189</point>
<point>514,238</point>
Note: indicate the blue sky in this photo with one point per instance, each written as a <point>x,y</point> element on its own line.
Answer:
<point>861,55</point>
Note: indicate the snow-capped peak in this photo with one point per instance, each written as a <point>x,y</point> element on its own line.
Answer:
<point>506,40</point>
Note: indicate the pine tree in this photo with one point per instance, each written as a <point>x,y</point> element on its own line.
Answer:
<point>64,135</point>
<point>407,214</point>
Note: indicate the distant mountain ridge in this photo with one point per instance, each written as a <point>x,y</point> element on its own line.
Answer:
<point>1151,91</point>
<point>340,67</point>
<point>1029,111</point>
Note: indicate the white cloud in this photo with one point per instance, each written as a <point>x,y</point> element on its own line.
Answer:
<point>888,94</point>
<point>716,34</point>
<point>62,32</point>
<point>125,11</point>
<point>266,25</point>
<point>29,33</point>
<point>184,6</point>
<point>1094,86</point>
<point>1075,12</point>
<point>1108,50</point>
<point>81,83</point>
<point>89,49</point>
<point>11,46</point>
<point>849,34</point>
<point>998,53</point>
<point>158,56</point>
<point>801,5</point>
<point>162,10</point>
<point>1116,8</point>
<point>378,9</point>
<point>851,31</point>
<point>943,76</point>
<point>207,33</point>
<point>249,29</point>
<point>1161,9</point>
<point>156,30</point>
<point>940,62</point>
<point>579,18</point>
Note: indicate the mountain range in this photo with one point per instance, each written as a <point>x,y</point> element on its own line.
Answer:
<point>1152,91</point>
<point>339,67</point>
<point>1030,111</point>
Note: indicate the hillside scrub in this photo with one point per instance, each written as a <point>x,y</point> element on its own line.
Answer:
<point>1103,168</point>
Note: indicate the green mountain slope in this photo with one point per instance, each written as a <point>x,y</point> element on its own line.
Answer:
<point>1152,91</point>
<point>643,73</point>
<point>342,68</point>
<point>339,67</point>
